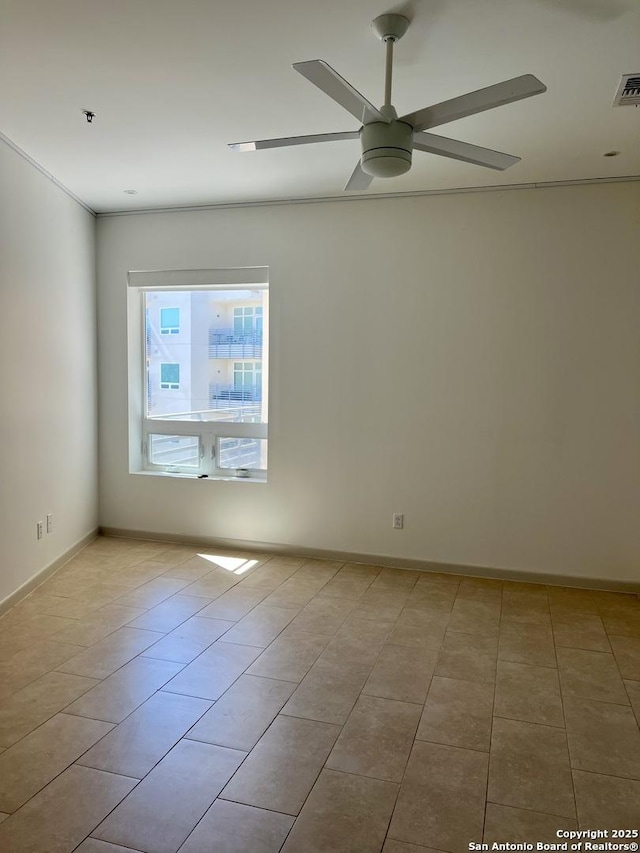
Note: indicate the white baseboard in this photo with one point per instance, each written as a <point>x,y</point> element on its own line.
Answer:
<point>550,578</point>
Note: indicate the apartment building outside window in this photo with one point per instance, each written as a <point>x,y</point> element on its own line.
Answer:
<point>205,379</point>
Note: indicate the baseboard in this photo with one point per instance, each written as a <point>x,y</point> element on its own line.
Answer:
<point>41,576</point>
<point>379,560</point>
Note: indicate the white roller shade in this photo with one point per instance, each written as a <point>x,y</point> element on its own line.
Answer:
<point>175,279</point>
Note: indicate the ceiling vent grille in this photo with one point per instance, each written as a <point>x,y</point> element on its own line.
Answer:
<point>628,93</point>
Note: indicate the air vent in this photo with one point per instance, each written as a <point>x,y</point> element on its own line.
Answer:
<point>628,94</point>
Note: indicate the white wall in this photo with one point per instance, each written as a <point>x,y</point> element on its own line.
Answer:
<point>48,432</point>
<point>472,361</point>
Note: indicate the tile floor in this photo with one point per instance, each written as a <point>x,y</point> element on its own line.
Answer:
<point>155,700</point>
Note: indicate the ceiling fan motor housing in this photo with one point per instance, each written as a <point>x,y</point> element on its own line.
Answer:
<point>386,148</point>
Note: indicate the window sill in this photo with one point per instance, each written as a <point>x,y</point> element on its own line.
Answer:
<point>179,476</point>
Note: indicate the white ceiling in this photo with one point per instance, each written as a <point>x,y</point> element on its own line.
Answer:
<point>173,81</point>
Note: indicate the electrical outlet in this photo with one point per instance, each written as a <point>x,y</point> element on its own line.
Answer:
<point>39,529</point>
<point>49,522</point>
<point>398,521</point>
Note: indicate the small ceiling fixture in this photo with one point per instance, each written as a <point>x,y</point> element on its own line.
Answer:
<point>130,192</point>
<point>89,115</point>
<point>387,142</point>
<point>611,154</point>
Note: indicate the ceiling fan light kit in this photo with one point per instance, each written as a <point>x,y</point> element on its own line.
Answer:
<point>388,142</point>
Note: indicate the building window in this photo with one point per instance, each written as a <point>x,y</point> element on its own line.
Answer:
<point>170,376</point>
<point>214,421</point>
<point>169,321</point>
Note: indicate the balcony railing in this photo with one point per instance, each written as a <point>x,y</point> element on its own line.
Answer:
<point>246,393</point>
<point>226,343</point>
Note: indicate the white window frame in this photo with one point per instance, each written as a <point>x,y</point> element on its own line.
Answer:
<point>208,432</point>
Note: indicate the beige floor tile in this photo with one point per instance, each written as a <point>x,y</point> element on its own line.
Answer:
<point>519,826</point>
<point>525,608</point>
<point>590,675</point>
<point>345,587</point>
<point>232,827</point>
<point>343,813</point>
<point>209,675</point>
<point>395,580</point>
<point>293,593</point>
<point>329,691</point>
<point>98,625</point>
<point>578,630</point>
<point>241,716</point>
<point>153,592</point>
<point>234,604</point>
<point>30,764</point>
<point>622,621</point>
<point>192,569</point>
<point>633,691</point>
<point>626,651</point>
<point>136,745</point>
<point>392,846</point>
<point>603,738</point>
<point>323,616</point>
<point>318,570</point>
<point>58,818</point>
<point>212,585</point>
<point>529,768</point>
<point>475,617</point>
<point>108,655</point>
<point>15,637</point>
<point>385,605</point>
<point>189,640</point>
<point>402,673</point>
<point>360,570</point>
<point>524,586</point>
<point>433,596</point>
<point>290,656</point>
<point>121,693</point>
<point>458,713</point>
<point>281,769</point>
<point>376,739</point>
<point>438,779</point>
<point>94,845</point>
<point>170,613</point>
<point>525,692</point>
<point>422,614</point>
<point>467,656</point>
<point>269,577</point>
<point>522,643</point>
<point>165,807</point>
<point>28,708</point>
<point>571,598</point>
<point>480,589</point>
<point>358,641</point>
<point>438,578</point>
<point>27,665</point>
<point>606,802</point>
<point>415,636</point>
<point>261,626</point>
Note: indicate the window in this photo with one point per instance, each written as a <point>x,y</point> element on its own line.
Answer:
<point>169,376</point>
<point>169,321</point>
<point>202,401</point>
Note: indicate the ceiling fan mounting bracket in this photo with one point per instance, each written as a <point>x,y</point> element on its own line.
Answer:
<point>390,27</point>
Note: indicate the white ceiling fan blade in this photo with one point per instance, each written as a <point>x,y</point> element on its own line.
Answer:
<point>336,87</point>
<point>359,180</point>
<point>293,140</point>
<point>476,102</point>
<point>464,151</point>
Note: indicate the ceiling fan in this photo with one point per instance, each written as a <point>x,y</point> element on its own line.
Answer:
<point>388,141</point>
